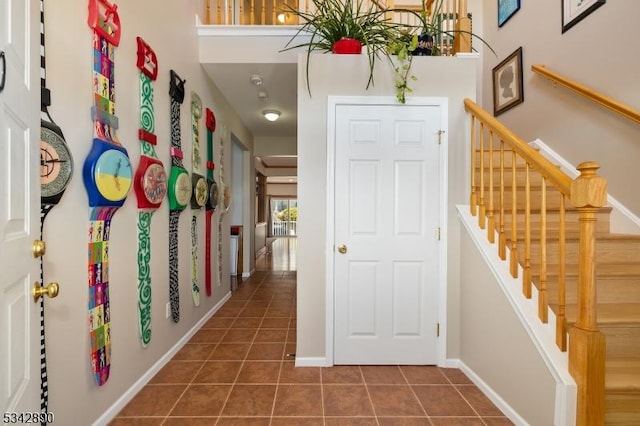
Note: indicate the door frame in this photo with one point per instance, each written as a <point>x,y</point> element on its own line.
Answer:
<point>332,103</point>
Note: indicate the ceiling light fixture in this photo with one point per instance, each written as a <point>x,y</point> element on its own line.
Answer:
<point>271,114</point>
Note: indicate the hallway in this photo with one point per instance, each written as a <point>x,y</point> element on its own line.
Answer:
<point>238,369</point>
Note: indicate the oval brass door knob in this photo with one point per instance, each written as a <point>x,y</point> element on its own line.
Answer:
<point>342,248</point>
<point>50,290</point>
<point>39,248</point>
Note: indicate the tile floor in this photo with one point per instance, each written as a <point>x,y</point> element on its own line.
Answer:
<point>238,369</point>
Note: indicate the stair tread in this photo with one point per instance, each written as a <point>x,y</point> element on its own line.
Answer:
<point>622,374</point>
<point>603,269</point>
<point>610,313</point>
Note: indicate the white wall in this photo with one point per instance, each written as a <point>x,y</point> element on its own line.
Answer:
<point>287,190</point>
<point>437,76</point>
<point>168,26</point>
<point>598,52</point>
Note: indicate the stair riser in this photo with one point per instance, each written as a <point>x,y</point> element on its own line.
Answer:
<point>622,409</point>
<point>610,290</point>
<point>623,340</point>
<point>607,251</point>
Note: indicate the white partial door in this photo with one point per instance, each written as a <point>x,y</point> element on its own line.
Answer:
<point>387,219</point>
<point>19,208</point>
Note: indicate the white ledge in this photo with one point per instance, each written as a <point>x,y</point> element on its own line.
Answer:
<point>245,30</point>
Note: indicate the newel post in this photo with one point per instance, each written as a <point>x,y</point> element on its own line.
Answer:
<point>586,342</point>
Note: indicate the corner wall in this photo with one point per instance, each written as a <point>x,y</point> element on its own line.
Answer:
<point>169,28</point>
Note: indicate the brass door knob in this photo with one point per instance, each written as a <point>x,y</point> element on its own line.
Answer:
<point>39,248</point>
<point>342,248</point>
<point>50,290</point>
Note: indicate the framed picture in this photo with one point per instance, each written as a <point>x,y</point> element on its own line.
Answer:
<point>507,83</point>
<point>506,9</point>
<point>574,11</point>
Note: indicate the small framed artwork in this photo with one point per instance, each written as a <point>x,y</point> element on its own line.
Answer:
<point>506,9</point>
<point>507,83</point>
<point>574,11</point>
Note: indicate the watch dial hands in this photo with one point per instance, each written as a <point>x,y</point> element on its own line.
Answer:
<point>115,174</point>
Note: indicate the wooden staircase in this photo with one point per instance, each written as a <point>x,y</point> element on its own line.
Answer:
<point>617,270</point>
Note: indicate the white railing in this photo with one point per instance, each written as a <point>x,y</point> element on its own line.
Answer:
<point>284,228</point>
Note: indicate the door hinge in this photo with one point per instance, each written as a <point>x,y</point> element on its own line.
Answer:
<point>438,232</point>
<point>440,133</point>
<point>437,329</point>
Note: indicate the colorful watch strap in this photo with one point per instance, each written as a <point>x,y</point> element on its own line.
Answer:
<point>176,92</point>
<point>105,22</point>
<point>148,65</point>
<point>210,122</point>
<point>44,378</point>
<point>196,159</point>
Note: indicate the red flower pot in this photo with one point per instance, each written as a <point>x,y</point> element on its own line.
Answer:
<point>347,46</point>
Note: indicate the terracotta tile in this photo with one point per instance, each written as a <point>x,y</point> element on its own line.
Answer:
<point>229,311</point>
<point>153,400</point>
<point>137,421</point>
<point>240,335</point>
<point>194,352</point>
<point>250,400</point>
<point>177,372</point>
<point>253,312</point>
<point>292,374</point>
<point>292,336</point>
<point>479,402</point>
<point>342,374</point>
<point>243,421</point>
<point>278,312</point>
<point>219,322</point>
<point>208,335</point>
<point>346,400</point>
<point>297,421</point>
<point>271,335</point>
<point>456,421</point>
<point>298,400</point>
<point>456,376</point>
<point>497,421</point>
<point>403,421</point>
<point>394,400</point>
<point>266,351</point>
<point>257,304</point>
<point>259,372</point>
<point>247,322</point>
<point>289,352</point>
<point>190,421</point>
<point>230,351</point>
<point>202,400</point>
<point>442,400</point>
<point>219,372</point>
<point>382,375</point>
<point>350,421</point>
<point>269,322</point>
<point>424,375</point>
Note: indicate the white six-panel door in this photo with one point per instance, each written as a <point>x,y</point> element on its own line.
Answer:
<point>19,208</point>
<point>387,195</point>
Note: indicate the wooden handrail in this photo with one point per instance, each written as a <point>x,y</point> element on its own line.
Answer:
<point>556,177</point>
<point>587,193</point>
<point>597,97</point>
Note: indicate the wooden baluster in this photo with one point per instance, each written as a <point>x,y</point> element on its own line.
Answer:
<point>513,253</point>
<point>502,238</point>
<point>252,12</point>
<point>491,228</point>
<point>273,13</point>
<point>462,41</point>
<point>207,13</point>
<point>587,348</point>
<point>561,319</point>
<point>229,19</point>
<point>241,17</point>
<point>473,200</point>
<point>263,13</point>
<point>482,215</point>
<point>219,12</point>
<point>543,306</point>
<point>526,273</point>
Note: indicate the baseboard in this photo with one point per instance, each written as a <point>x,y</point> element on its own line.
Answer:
<point>492,395</point>
<point>248,274</point>
<point>127,396</point>
<point>312,362</point>
<point>623,221</point>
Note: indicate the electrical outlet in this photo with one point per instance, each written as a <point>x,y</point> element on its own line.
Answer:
<point>167,310</point>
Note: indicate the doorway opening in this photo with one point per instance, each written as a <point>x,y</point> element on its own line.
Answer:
<point>284,217</point>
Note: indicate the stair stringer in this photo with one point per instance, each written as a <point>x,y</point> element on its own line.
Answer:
<point>622,220</point>
<point>542,335</point>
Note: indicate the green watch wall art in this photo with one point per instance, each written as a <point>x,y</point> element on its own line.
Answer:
<point>150,183</point>
<point>107,178</point>
<point>179,190</point>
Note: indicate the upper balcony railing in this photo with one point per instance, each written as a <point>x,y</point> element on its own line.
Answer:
<point>450,16</point>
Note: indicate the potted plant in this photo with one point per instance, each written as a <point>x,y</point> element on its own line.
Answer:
<point>344,26</point>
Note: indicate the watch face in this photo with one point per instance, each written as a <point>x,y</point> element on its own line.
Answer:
<point>213,194</point>
<point>200,192</point>
<point>183,189</point>
<point>113,175</point>
<point>154,183</point>
<point>56,163</point>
